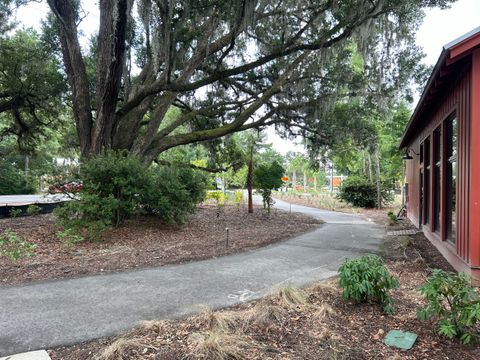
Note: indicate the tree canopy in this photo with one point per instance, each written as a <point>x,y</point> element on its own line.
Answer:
<point>228,66</point>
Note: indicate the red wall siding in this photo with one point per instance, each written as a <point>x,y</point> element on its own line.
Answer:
<point>475,162</point>
<point>456,98</point>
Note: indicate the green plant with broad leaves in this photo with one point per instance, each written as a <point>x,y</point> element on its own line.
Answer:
<point>367,279</point>
<point>14,247</point>
<point>455,303</point>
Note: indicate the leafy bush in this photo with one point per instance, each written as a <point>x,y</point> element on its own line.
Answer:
<point>367,279</point>
<point>362,192</point>
<point>454,302</point>
<point>238,198</point>
<point>392,218</point>
<point>174,192</point>
<point>268,178</point>
<point>116,186</point>
<point>33,210</point>
<point>88,217</point>
<point>113,186</point>
<point>216,195</point>
<point>13,181</point>
<point>70,237</point>
<point>220,200</point>
<point>13,247</point>
<point>14,212</point>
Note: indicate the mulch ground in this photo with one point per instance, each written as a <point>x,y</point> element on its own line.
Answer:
<point>327,327</point>
<point>146,241</point>
<point>377,216</point>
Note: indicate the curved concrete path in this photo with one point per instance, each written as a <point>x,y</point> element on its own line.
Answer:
<point>63,312</point>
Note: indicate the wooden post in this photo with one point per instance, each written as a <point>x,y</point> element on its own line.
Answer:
<point>379,185</point>
<point>250,181</point>
<point>305,185</point>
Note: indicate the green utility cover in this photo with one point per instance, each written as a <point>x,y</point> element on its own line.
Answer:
<point>400,339</point>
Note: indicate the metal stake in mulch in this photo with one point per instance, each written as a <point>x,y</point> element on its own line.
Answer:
<point>400,339</point>
<point>228,235</point>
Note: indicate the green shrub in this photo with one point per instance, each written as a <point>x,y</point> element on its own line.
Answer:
<point>13,247</point>
<point>238,198</point>
<point>392,217</point>
<point>268,178</point>
<point>13,181</point>
<point>113,186</point>
<point>70,237</point>
<point>88,217</point>
<point>15,212</point>
<point>362,192</point>
<point>367,279</point>
<point>175,192</point>
<point>116,186</point>
<point>33,210</point>
<point>220,200</point>
<point>216,195</point>
<point>455,303</point>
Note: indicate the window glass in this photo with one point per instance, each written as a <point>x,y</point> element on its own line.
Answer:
<point>451,178</point>
<point>437,163</point>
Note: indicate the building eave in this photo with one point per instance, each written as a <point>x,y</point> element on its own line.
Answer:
<point>451,53</point>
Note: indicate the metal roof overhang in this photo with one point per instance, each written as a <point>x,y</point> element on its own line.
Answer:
<point>451,53</point>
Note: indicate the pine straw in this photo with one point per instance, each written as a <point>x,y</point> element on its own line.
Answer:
<point>291,323</point>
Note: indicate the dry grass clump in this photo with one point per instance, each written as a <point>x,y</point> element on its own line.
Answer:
<point>291,297</point>
<point>264,314</point>
<point>154,325</point>
<point>223,321</point>
<point>219,345</point>
<point>324,288</point>
<point>118,349</point>
<point>323,310</point>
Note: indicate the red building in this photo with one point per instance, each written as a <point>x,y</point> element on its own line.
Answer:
<point>442,140</point>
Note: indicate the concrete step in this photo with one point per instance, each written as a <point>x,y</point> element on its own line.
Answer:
<point>32,355</point>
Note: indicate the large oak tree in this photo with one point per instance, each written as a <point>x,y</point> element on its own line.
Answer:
<point>229,65</point>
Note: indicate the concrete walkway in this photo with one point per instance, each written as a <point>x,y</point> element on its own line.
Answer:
<point>63,312</point>
<point>31,199</point>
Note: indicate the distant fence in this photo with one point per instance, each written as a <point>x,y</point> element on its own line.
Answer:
<point>45,208</point>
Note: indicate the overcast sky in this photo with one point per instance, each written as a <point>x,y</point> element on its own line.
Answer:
<point>439,28</point>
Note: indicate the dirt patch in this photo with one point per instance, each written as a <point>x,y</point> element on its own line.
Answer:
<point>328,202</point>
<point>146,241</point>
<point>325,327</point>
<point>413,247</point>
